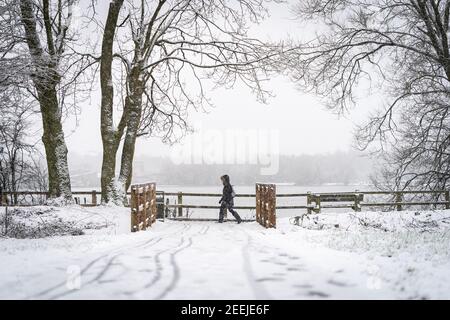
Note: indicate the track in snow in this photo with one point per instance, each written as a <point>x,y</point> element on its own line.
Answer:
<point>196,260</point>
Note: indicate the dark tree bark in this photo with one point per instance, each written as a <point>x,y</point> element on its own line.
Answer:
<point>134,108</point>
<point>110,135</point>
<point>46,79</point>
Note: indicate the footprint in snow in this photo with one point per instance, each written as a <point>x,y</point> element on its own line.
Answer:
<point>337,283</point>
<point>295,269</point>
<point>318,294</point>
<point>268,279</point>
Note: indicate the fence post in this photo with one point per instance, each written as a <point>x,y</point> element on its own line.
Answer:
<point>166,209</point>
<point>94,197</point>
<point>258,201</point>
<point>357,202</point>
<point>447,199</point>
<point>318,203</point>
<point>308,202</point>
<point>3,198</point>
<point>144,208</point>
<point>264,205</point>
<point>153,203</point>
<point>133,210</point>
<point>273,204</point>
<point>180,203</point>
<point>398,199</point>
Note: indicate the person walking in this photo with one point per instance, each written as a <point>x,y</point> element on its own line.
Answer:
<point>227,202</point>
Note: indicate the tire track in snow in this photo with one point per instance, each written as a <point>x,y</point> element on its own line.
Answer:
<point>159,268</point>
<point>115,251</point>
<point>204,231</point>
<point>100,274</point>
<point>176,269</point>
<point>147,244</point>
<point>157,262</point>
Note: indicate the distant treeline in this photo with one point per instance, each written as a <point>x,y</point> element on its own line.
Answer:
<point>339,167</point>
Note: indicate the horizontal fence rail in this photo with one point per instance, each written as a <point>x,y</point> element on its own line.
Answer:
<point>350,200</point>
<point>33,198</point>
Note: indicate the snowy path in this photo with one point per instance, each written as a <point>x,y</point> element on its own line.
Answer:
<point>184,260</point>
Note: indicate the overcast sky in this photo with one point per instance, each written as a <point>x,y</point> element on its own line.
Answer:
<point>303,123</point>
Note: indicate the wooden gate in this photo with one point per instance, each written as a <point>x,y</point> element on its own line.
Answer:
<point>143,206</point>
<point>265,205</point>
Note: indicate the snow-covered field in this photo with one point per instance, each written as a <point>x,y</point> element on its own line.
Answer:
<point>367,255</point>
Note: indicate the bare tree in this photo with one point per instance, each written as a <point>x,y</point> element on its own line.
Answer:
<point>163,53</point>
<point>16,150</point>
<point>37,55</point>
<point>400,48</point>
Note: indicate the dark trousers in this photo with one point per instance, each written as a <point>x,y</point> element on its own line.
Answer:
<point>223,207</point>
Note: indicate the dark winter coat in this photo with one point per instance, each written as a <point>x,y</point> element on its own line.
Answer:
<point>227,193</point>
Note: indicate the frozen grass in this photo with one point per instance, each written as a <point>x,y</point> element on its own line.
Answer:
<point>48,221</point>
<point>410,250</point>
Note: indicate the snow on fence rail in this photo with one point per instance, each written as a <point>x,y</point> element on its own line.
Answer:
<point>33,198</point>
<point>143,206</point>
<point>314,202</point>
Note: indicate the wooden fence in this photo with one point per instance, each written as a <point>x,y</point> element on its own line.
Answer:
<point>266,204</point>
<point>33,198</point>
<point>306,201</point>
<point>143,206</point>
<point>355,200</point>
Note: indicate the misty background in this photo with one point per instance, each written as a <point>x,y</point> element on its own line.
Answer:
<point>315,145</point>
<point>338,168</point>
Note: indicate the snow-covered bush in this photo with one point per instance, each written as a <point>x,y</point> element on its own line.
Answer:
<point>23,223</point>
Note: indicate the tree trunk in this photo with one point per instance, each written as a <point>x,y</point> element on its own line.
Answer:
<point>55,145</point>
<point>134,106</point>
<point>46,78</point>
<point>13,180</point>
<point>110,135</point>
<point>108,179</point>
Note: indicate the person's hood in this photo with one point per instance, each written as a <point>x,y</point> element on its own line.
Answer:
<point>226,178</point>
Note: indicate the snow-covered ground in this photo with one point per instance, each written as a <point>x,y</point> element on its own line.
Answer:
<point>365,255</point>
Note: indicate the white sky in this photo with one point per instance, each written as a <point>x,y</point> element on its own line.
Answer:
<point>303,124</point>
